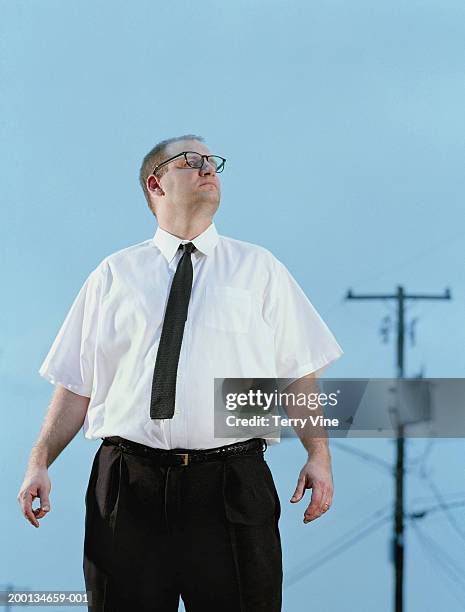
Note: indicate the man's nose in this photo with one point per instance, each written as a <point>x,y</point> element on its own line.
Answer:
<point>208,167</point>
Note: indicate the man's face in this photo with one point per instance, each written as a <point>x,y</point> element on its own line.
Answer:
<point>196,189</point>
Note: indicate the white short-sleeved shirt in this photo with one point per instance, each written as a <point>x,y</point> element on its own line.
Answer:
<point>247,318</point>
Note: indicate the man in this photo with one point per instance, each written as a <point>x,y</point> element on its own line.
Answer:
<point>171,510</point>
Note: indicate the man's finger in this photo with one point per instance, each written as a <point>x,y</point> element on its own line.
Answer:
<point>44,504</point>
<point>299,491</point>
<point>26,507</point>
<point>41,511</point>
<point>315,507</point>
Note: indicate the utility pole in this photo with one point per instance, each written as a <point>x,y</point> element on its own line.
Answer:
<point>398,536</point>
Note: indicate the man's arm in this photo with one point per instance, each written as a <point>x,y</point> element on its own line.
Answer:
<point>313,438</point>
<point>63,420</point>
<point>316,474</point>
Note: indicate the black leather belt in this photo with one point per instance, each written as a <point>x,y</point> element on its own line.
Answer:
<point>185,456</point>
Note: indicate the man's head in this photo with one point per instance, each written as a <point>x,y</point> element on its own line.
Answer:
<point>177,190</point>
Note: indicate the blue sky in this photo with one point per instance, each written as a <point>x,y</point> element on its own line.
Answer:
<point>343,127</point>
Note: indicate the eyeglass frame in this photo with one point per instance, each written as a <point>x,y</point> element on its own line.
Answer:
<point>157,167</point>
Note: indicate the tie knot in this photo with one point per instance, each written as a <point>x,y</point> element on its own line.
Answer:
<point>188,247</point>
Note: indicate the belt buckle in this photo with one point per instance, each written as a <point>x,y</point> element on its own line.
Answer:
<point>185,457</point>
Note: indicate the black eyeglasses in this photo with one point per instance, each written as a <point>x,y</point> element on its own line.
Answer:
<point>195,160</point>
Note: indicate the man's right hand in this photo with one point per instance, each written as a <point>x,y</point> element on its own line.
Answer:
<point>36,484</point>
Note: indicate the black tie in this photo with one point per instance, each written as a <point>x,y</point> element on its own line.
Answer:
<point>166,365</point>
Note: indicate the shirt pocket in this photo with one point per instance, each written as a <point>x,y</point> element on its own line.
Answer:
<point>227,308</point>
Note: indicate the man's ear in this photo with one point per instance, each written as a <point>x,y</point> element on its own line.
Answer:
<point>153,185</point>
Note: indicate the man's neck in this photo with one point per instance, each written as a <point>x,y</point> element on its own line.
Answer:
<point>186,230</point>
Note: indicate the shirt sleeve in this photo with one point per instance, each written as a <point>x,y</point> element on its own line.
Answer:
<point>303,341</point>
<point>70,360</point>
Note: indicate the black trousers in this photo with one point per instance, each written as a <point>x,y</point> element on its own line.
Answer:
<point>206,532</point>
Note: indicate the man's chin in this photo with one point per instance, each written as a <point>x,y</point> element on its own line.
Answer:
<point>208,203</point>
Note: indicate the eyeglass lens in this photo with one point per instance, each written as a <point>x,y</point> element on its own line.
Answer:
<point>195,161</point>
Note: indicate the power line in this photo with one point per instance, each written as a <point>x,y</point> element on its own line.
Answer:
<point>338,547</point>
<point>459,571</point>
<point>363,455</point>
<point>402,264</point>
<point>428,545</point>
<point>444,507</point>
<point>439,497</point>
<point>428,498</point>
<point>424,512</point>
<point>421,459</point>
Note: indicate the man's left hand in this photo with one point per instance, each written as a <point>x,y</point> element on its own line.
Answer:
<point>316,475</point>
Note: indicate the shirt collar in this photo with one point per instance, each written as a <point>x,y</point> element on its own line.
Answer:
<point>169,243</point>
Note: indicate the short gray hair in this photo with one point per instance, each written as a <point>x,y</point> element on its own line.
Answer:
<point>156,156</point>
